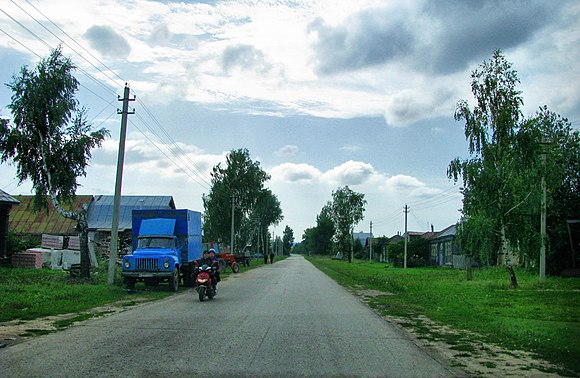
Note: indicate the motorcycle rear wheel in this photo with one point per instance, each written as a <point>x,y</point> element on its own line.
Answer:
<point>201,292</point>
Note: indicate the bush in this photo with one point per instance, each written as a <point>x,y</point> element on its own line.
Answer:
<point>18,243</point>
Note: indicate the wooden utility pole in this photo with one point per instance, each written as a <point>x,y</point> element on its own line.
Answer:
<point>232,231</point>
<point>113,248</point>
<point>371,244</point>
<point>406,211</point>
<point>543,236</point>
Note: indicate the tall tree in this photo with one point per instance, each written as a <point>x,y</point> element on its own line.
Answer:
<point>502,174</point>
<point>239,184</point>
<point>324,231</point>
<point>265,213</point>
<point>490,129</point>
<point>50,141</point>
<point>288,240</point>
<point>347,210</point>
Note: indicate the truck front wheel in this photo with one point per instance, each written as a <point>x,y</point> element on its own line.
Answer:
<point>130,283</point>
<point>174,280</point>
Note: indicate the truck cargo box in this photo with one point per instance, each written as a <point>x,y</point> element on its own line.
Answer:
<point>187,229</point>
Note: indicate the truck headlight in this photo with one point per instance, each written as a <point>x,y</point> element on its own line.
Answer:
<point>127,264</point>
<point>166,264</point>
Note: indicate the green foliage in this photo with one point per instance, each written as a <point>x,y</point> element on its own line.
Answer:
<point>18,243</point>
<point>318,240</point>
<point>287,239</point>
<point>346,210</point>
<point>417,252</point>
<point>255,206</point>
<point>358,250</point>
<point>50,142</point>
<point>502,176</point>
<point>540,318</point>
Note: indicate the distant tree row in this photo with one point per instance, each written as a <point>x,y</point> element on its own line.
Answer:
<point>238,190</point>
<point>334,225</point>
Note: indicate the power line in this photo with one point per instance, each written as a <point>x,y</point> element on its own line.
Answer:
<point>201,174</point>
<point>165,154</point>
<point>66,44</point>
<point>78,44</point>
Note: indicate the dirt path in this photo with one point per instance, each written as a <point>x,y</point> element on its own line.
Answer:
<point>476,358</point>
<point>16,331</point>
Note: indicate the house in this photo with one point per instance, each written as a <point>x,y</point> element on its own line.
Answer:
<point>363,237</point>
<point>6,203</point>
<point>100,217</point>
<point>444,250</point>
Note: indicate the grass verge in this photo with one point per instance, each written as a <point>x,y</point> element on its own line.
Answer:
<point>542,318</point>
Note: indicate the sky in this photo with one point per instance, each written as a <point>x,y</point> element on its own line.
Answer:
<point>323,94</point>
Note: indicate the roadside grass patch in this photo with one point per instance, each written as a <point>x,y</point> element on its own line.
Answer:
<point>541,318</point>
<point>36,332</point>
<point>29,294</point>
<point>65,323</point>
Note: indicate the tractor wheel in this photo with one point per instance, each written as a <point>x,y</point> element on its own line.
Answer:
<point>235,267</point>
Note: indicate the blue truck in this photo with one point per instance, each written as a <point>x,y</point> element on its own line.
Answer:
<point>165,244</point>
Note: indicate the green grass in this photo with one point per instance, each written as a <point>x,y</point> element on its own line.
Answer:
<point>543,318</point>
<point>34,293</point>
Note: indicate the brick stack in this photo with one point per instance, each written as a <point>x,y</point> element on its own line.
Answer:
<point>27,260</point>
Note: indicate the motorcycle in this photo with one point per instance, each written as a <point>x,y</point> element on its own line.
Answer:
<point>205,284</point>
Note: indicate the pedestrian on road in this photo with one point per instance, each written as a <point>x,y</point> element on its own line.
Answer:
<point>271,258</point>
<point>265,258</point>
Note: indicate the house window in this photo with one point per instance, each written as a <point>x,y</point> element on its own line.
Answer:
<point>434,254</point>
<point>449,252</point>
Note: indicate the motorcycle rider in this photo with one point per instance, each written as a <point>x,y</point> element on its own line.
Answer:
<point>206,260</point>
<point>215,260</point>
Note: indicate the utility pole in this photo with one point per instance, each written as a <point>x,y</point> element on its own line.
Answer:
<point>406,211</point>
<point>371,244</point>
<point>232,231</point>
<point>543,236</point>
<point>117,199</point>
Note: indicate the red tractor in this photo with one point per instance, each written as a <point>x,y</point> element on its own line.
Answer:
<point>226,259</point>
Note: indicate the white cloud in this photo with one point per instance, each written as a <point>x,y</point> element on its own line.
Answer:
<point>349,173</point>
<point>287,151</point>
<point>291,172</point>
<point>350,148</point>
<point>403,183</point>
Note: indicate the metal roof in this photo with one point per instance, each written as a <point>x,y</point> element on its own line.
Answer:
<point>100,214</point>
<point>447,232</point>
<point>25,220</point>
<point>7,199</point>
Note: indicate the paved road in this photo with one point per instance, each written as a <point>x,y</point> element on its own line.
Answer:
<point>285,319</point>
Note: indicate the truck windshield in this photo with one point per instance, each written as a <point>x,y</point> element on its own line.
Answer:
<point>156,242</point>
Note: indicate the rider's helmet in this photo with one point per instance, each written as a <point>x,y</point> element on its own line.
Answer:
<point>211,250</point>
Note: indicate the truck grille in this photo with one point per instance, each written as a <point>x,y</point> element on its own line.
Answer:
<point>147,264</point>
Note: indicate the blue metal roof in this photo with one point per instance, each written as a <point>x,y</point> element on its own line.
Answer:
<point>448,232</point>
<point>100,213</point>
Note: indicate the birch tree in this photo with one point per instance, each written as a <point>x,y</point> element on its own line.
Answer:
<point>50,140</point>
